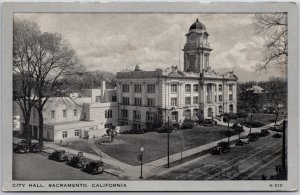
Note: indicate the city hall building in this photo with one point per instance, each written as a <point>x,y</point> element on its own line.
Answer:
<point>195,92</point>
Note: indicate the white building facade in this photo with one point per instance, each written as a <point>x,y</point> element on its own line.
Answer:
<point>197,91</point>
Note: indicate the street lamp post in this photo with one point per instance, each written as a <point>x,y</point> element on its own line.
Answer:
<point>141,159</point>
<point>168,142</point>
<point>228,129</point>
<point>212,118</point>
<point>251,118</point>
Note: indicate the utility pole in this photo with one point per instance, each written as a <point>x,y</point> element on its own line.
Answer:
<point>168,142</point>
<point>283,145</point>
<point>251,117</point>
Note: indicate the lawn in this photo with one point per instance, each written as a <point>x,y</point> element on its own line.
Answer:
<point>155,144</point>
<point>80,145</point>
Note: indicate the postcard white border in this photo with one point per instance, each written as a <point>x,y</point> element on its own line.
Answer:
<point>158,185</point>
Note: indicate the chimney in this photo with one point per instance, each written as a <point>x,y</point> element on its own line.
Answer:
<point>103,87</point>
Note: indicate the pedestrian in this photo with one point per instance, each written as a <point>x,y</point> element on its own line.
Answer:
<point>60,142</point>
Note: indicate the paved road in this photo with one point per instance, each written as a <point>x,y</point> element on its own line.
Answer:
<point>36,166</point>
<point>241,163</point>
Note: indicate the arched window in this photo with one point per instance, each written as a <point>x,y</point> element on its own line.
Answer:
<point>231,108</point>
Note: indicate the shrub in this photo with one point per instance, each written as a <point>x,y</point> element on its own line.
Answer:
<point>187,124</point>
<point>242,114</point>
<point>254,124</point>
<point>230,115</point>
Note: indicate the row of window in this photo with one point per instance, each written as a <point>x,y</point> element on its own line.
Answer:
<point>64,113</point>
<point>138,88</point>
<point>138,101</point>
<point>137,115</point>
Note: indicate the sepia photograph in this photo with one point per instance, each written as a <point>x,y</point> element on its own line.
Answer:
<point>149,97</point>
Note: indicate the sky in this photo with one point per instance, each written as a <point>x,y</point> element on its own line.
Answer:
<point>114,42</point>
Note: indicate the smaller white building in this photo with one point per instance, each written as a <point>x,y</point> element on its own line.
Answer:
<point>85,114</point>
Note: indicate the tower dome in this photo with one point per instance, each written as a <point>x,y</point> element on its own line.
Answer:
<point>198,26</point>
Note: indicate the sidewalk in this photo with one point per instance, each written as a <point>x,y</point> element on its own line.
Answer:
<point>133,172</point>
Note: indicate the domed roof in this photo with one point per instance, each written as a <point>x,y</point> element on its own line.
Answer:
<point>198,26</point>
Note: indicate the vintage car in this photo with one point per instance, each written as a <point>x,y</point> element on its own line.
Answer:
<point>21,147</point>
<point>277,135</point>
<point>222,147</point>
<point>253,136</point>
<point>93,167</point>
<point>58,155</point>
<point>35,147</point>
<point>77,161</point>
<point>277,127</point>
<point>238,127</point>
<point>264,132</point>
<point>208,122</point>
<point>242,141</point>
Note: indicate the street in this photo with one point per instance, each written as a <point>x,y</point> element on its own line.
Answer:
<point>36,166</point>
<point>241,163</point>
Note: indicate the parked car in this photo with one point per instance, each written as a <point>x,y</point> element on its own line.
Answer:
<point>93,167</point>
<point>253,137</point>
<point>277,135</point>
<point>277,127</point>
<point>21,147</point>
<point>222,147</point>
<point>242,141</point>
<point>208,122</point>
<point>77,161</point>
<point>264,132</point>
<point>238,127</point>
<point>58,155</point>
<point>35,147</point>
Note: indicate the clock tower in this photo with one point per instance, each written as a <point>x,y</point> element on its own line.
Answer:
<point>196,49</point>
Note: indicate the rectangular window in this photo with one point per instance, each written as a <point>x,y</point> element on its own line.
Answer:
<point>230,87</point>
<point>108,125</point>
<point>124,114</point>
<point>98,98</point>
<point>108,113</point>
<point>195,86</point>
<point>205,60</point>
<point>230,97</point>
<point>151,88</point>
<point>125,100</point>
<point>137,88</point>
<point>151,102</point>
<point>136,115</point>
<point>149,116</point>
<point>137,101</point>
<point>64,113</point>
<point>52,114</point>
<point>220,98</point>
<point>125,88</point>
<point>195,100</point>
<point>187,100</point>
<point>173,101</point>
<point>64,134</point>
<point>114,98</point>
<point>215,98</point>
<point>173,88</point>
<point>220,87</point>
<point>220,110</point>
<point>75,112</point>
<point>187,88</point>
<point>76,132</point>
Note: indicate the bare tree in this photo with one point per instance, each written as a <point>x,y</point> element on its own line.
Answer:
<point>51,61</point>
<point>274,27</point>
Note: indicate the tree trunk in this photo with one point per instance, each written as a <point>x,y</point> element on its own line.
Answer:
<point>41,128</point>
<point>26,129</point>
